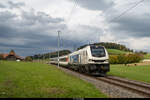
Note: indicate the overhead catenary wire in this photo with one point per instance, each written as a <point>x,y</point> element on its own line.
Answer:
<point>123,13</point>
<point>72,10</point>
<point>69,18</point>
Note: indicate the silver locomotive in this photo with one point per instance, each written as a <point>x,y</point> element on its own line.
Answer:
<point>91,59</point>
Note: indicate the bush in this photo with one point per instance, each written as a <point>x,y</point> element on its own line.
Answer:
<point>113,59</point>
<point>28,58</point>
<point>1,57</point>
<point>125,59</point>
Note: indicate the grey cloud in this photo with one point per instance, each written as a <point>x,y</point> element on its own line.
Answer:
<point>138,26</point>
<point>15,5</point>
<point>95,4</point>
<point>34,30</point>
<point>32,18</point>
<point>5,15</point>
<point>2,6</point>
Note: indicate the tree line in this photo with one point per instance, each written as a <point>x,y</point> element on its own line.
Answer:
<point>51,55</point>
<point>110,45</point>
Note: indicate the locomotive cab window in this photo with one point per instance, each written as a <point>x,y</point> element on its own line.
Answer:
<point>97,51</point>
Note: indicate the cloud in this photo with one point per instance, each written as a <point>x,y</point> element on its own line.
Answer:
<point>2,6</point>
<point>26,29</point>
<point>95,4</point>
<point>133,26</point>
<point>15,5</point>
<point>32,30</point>
<point>27,26</point>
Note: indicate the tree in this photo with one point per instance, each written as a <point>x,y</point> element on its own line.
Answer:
<point>1,57</point>
<point>28,58</point>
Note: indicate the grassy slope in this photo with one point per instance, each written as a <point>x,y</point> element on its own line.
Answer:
<point>140,73</point>
<point>20,79</point>
<point>147,56</point>
<point>115,51</point>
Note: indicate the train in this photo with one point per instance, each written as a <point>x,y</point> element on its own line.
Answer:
<point>91,59</point>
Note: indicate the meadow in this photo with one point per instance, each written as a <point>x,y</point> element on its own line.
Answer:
<point>36,80</point>
<point>147,56</point>
<point>116,52</point>
<point>139,73</point>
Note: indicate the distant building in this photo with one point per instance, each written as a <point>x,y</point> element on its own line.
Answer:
<point>11,56</point>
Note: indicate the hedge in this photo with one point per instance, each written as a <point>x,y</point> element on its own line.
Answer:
<point>125,58</point>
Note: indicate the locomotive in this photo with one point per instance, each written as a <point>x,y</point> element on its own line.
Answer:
<point>91,59</point>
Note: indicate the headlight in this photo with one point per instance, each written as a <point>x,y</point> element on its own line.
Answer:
<point>107,60</point>
<point>90,60</point>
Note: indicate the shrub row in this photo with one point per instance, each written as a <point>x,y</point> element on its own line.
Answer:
<point>125,58</point>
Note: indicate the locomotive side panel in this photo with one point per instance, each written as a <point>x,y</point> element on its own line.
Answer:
<point>91,59</point>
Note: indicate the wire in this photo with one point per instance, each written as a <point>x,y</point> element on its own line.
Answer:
<point>69,18</point>
<point>70,15</point>
<point>123,13</point>
<point>127,11</point>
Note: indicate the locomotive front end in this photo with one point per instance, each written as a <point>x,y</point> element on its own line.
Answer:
<point>99,59</point>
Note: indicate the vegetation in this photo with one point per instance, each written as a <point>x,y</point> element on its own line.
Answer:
<point>140,73</point>
<point>116,52</point>
<point>147,56</point>
<point>110,46</point>
<point>125,58</point>
<point>1,57</point>
<point>28,58</point>
<point>35,80</point>
<point>51,55</point>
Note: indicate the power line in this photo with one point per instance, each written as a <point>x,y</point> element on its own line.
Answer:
<point>127,10</point>
<point>74,6</point>
<point>123,13</point>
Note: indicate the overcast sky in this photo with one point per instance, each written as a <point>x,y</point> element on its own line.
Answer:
<point>30,26</point>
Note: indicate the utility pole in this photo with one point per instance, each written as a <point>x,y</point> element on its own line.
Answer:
<point>74,47</point>
<point>58,46</point>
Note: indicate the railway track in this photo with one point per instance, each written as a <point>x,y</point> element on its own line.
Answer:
<point>136,87</point>
<point>140,88</point>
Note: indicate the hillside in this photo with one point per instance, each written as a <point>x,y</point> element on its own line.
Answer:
<point>36,80</point>
<point>110,45</point>
<point>116,52</point>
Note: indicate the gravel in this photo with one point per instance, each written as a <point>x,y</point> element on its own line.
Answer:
<point>112,91</point>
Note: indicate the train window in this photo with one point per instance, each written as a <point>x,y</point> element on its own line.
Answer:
<point>75,58</point>
<point>63,59</point>
<point>97,51</point>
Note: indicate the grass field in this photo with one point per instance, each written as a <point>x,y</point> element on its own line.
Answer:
<point>147,56</point>
<point>35,80</point>
<point>140,73</point>
<point>115,51</point>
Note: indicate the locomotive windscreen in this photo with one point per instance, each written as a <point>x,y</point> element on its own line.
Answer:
<point>97,51</point>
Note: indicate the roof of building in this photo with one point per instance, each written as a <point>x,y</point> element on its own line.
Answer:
<point>6,55</point>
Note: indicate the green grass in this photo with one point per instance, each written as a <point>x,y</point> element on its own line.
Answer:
<point>35,80</point>
<point>147,56</point>
<point>115,51</point>
<point>140,73</point>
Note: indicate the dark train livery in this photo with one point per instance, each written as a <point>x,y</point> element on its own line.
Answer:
<point>91,59</point>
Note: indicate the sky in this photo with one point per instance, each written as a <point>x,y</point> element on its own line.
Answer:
<point>31,26</point>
